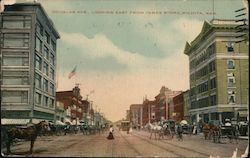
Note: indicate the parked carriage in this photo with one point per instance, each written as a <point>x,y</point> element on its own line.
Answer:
<point>230,130</point>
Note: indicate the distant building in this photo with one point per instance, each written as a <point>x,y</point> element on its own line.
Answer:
<point>177,111</point>
<point>127,114</point>
<point>148,112</point>
<point>161,101</point>
<point>73,106</point>
<point>219,69</point>
<point>186,96</point>
<point>86,111</point>
<point>136,115</point>
<point>60,113</point>
<point>28,64</point>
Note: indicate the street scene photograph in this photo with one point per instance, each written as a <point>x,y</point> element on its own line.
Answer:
<point>124,78</point>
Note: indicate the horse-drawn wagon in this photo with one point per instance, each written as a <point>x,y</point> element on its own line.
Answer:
<point>169,128</point>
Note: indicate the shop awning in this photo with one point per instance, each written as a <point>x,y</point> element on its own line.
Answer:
<point>243,113</point>
<point>184,122</point>
<point>6,121</point>
<point>59,122</point>
<point>67,121</point>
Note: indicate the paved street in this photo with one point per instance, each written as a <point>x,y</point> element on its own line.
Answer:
<point>126,145</point>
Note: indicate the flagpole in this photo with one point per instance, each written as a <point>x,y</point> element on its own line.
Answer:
<point>213,10</point>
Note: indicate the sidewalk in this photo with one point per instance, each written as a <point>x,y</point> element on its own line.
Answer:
<point>240,137</point>
<point>244,137</point>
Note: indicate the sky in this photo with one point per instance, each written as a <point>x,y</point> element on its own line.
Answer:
<point>125,50</point>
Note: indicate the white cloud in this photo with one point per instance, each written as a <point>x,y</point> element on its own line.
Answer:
<point>101,46</point>
<point>189,29</point>
<point>166,36</point>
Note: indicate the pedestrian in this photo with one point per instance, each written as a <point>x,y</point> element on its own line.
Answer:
<point>179,131</point>
<point>111,130</point>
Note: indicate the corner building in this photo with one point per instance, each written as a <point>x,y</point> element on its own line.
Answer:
<point>28,64</point>
<point>218,66</point>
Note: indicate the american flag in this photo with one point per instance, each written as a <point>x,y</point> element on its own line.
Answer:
<point>72,73</point>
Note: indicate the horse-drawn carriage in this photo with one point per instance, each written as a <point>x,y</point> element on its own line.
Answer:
<point>169,128</point>
<point>218,131</point>
<point>230,130</point>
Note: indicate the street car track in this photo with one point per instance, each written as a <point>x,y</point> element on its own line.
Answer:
<point>157,145</point>
<point>130,145</point>
<point>172,151</point>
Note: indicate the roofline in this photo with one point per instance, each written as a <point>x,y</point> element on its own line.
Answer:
<point>43,11</point>
<point>213,25</point>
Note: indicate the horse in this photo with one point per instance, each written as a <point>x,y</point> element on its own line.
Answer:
<point>206,131</point>
<point>234,133</point>
<point>216,133</point>
<point>156,129</point>
<point>28,133</point>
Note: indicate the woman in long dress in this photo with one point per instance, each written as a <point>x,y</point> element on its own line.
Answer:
<point>111,130</point>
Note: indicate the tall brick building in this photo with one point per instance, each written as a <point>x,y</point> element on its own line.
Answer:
<point>73,104</point>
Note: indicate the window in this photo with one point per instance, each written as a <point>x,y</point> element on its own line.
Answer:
<point>12,80</point>
<point>229,46</point>
<point>211,66</point>
<point>15,77</point>
<point>52,59</point>
<point>213,83</point>
<point>16,22</point>
<point>45,85</point>
<point>204,102</point>
<point>15,61</point>
<point>51,88</point>
<point>211,49</point>
<point>45,101</point>
<point>38,81</point>
<point>39,28</point>
<point>47,37</point>
<point>38,45</point>
<point>46,52</point>
<point>38,98</point>
<point>230,64</point>
<point>46,68</point>
<point>193,105</point>
<point>53,45</point>
<point>14,96</point>
<point>203,87</point>
<point>231,99</point>
<point>14,40</point>
<point>52,74</point>
<point>38,63</point>
<point>231,81</point>
<point>213,100</point>
<point>231,96</point>
<point>51,102</point>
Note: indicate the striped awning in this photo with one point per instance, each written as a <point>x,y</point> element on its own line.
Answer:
<point>6,121</point>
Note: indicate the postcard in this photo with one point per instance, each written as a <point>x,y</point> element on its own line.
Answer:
<point>124,78</point>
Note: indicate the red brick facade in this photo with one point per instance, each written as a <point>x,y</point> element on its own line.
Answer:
<point>73,100</point>
<point>178,108</point>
